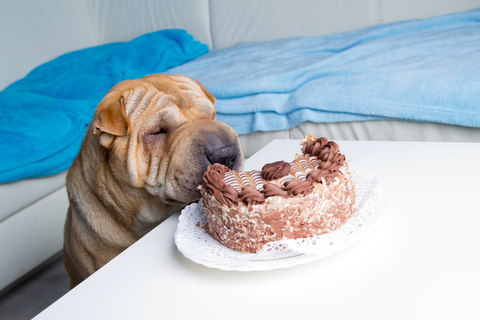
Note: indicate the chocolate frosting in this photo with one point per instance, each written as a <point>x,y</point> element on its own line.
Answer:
<point>251,195</point>
<point>328,153</point>
<point>332,161</point>
<point>230,193</point>
<point>272,190</point>
<point>275,170</point>
<point>314,146</point>
<point>298,187</point>
<point>213,177</point>
<point>318,174</point>
<point>321,148</point>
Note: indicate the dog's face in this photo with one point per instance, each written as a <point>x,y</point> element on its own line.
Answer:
<point>160,134</point>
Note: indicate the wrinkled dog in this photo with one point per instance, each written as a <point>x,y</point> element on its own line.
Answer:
<point>142,158</point>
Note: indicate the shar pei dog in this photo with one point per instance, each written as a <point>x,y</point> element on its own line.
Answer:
<point>142,159</point>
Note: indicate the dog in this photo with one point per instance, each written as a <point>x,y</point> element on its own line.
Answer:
<point>142,159</point>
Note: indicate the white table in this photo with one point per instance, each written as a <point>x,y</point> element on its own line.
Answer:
<point>421,261</point>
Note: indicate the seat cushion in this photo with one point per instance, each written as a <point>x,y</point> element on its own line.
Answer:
<point>14,196</point>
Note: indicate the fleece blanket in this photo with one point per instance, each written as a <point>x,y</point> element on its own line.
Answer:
<point>419,70</point>
<point>44,116</point>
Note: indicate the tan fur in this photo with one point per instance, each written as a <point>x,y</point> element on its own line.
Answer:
<point>141,160</point>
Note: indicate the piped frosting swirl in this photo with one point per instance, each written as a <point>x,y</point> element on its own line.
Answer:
<point>275,170</point>
<point>213,177</point>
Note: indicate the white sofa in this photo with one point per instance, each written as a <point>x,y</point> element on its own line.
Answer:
<point>32,32</point>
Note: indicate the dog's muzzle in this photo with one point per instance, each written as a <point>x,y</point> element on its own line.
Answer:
<point>228,156</point>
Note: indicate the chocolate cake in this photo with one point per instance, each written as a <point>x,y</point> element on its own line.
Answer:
<point>312,195</point>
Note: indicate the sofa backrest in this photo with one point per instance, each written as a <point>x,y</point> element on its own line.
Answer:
<point>258,20</point>
<point>33,32</point>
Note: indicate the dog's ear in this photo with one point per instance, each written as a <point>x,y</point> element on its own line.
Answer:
<point>110,120</point>
<point>110,117</point>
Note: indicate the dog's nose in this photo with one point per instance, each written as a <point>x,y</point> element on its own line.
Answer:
<point>228,156</point>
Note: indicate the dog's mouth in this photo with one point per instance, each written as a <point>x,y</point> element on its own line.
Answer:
<point>172,201</point>
<point>178,191</point>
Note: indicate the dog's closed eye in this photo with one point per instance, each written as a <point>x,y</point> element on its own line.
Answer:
<point>155,139</point>
<point>160,131</point>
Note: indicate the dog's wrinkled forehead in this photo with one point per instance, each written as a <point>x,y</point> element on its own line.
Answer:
<point>185,93</point>
<point>137,99</point>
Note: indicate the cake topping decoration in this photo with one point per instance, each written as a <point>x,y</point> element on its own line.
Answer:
<point>275,170</point>
<point>298,187</point>
<point>318,174</point>
<point>213,177</point>
<point>230,193</point>
<point>320,163</point>
<point>272,190</point>
<point>308,137</point>
<point>251,195</point>
<point>328,153</point>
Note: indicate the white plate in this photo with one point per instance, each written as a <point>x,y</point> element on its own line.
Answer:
<point>197,245</point>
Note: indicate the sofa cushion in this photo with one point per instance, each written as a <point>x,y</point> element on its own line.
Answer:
<point>17,195</point>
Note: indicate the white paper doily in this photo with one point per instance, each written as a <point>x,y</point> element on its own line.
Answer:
<point>197,245</point>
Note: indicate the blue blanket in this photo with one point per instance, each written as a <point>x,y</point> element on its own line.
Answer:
<point>419,70</point>
<point>44,116</point>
